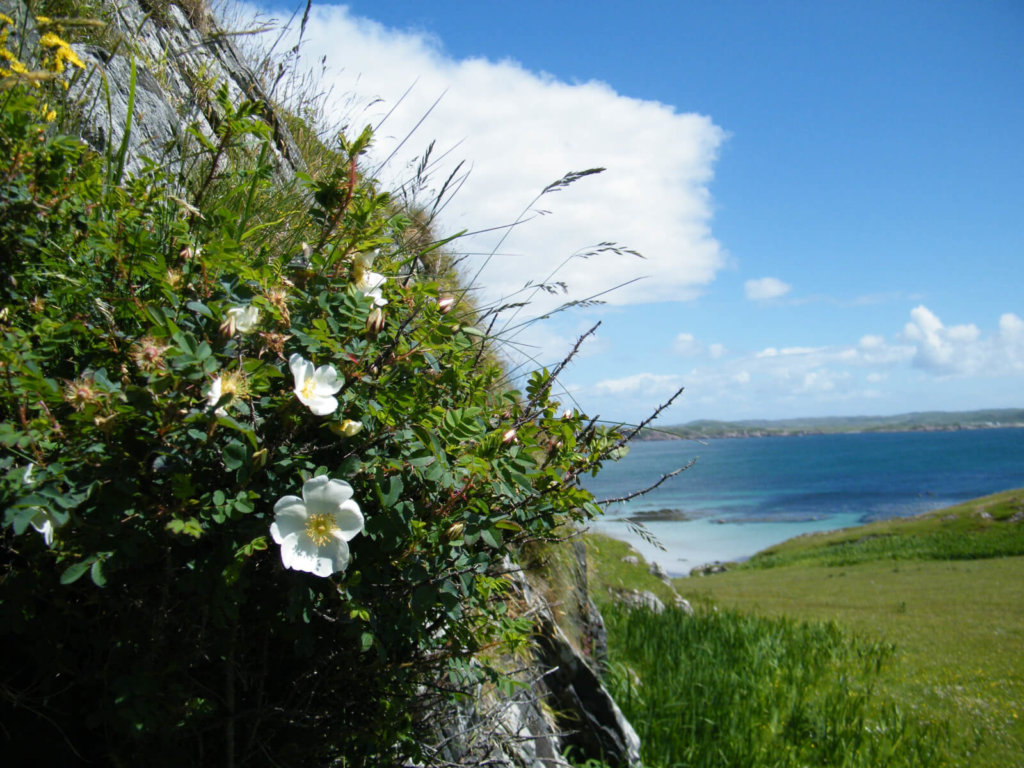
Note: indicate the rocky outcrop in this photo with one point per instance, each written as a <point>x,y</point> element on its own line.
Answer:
<point>179,65</point>
<point>558,705</point>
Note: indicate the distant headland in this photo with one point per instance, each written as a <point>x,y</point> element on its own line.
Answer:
<point>924,421</point>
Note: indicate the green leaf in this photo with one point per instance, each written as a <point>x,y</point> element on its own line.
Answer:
<point>76,571</point>
<point>395,488</point>
<point>96,574</point>
<point>491,537</point>
<point>235,455</point>
<point>200,309</point>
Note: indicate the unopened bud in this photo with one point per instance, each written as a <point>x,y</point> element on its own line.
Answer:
<point>375,321</point>
<point>350,427</point>
<point>259,459</point>
<point>445,304</point>
<point>455,530</point>
<point>509,436</point>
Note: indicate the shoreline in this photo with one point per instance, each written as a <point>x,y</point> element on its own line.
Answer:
<point>658,435</point>
<point>932,421</point>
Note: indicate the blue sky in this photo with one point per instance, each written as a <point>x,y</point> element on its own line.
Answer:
<point>830,195</point>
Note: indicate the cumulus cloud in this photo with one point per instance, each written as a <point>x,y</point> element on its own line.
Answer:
<point>640,384</point>
<point>827,379</point>
<point>765,289</point>
<point>519,131</point>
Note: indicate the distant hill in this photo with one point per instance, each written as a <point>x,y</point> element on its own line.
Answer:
<point>905,422</point>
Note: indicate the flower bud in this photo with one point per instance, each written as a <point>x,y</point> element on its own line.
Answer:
<point>445,304</point>
<point>259,459</point>
<point>455,530</point>
<point>350,427</point>
<point>375,321</point>
<point>509,436</point>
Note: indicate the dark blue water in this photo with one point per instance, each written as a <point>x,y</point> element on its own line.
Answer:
<point>743,495</point>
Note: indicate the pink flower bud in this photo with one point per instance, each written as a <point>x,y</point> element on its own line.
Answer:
<point>375,321</point>
<point>445,304</point>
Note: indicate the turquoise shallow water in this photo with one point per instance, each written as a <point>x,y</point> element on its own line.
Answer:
<point>743,495</point>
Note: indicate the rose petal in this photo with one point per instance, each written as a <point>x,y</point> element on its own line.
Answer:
<point>322,406</point>
<point>334,557</point>
<point>299,553</point>
<point>290,517</point>
<point>324,494</point>
<point>302,369</point>
<point>326,381</point>
<point>349,520</point>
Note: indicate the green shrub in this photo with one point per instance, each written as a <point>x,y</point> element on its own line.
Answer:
<point>160,413</point>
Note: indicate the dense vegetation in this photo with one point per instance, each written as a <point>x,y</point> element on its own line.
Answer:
<point>259,469</point>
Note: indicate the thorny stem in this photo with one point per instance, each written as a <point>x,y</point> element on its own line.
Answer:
<point>648,489</point>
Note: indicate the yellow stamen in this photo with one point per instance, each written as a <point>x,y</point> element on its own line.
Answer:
<point>321,528</point>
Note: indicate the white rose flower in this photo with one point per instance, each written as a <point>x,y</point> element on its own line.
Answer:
<point>214,394</point>
<point>371,285</point>
<point>314,531</point>
<point>315,389</point>
<point>45,522</point>
<point>241,319</point>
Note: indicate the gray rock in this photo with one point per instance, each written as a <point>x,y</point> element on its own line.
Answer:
<point>631,559</point>
<point>178,69</point>
<point>641,599</point>
<point>590,721</point>
<point>659,572</point>
<point>683,605</point>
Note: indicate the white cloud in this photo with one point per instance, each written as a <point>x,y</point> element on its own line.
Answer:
<point>765,289</point>
<point>927,365</point>
<point>962,350</point>
<point>522,130</point>
<point>640,384</point>
<point>688,345</point>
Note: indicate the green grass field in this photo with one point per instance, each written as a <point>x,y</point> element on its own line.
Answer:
<point>944,592</point>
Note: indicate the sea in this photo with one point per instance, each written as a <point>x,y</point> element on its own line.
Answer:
<point>742,495</point>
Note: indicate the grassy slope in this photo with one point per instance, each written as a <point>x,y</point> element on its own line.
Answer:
<point>958,623</point>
